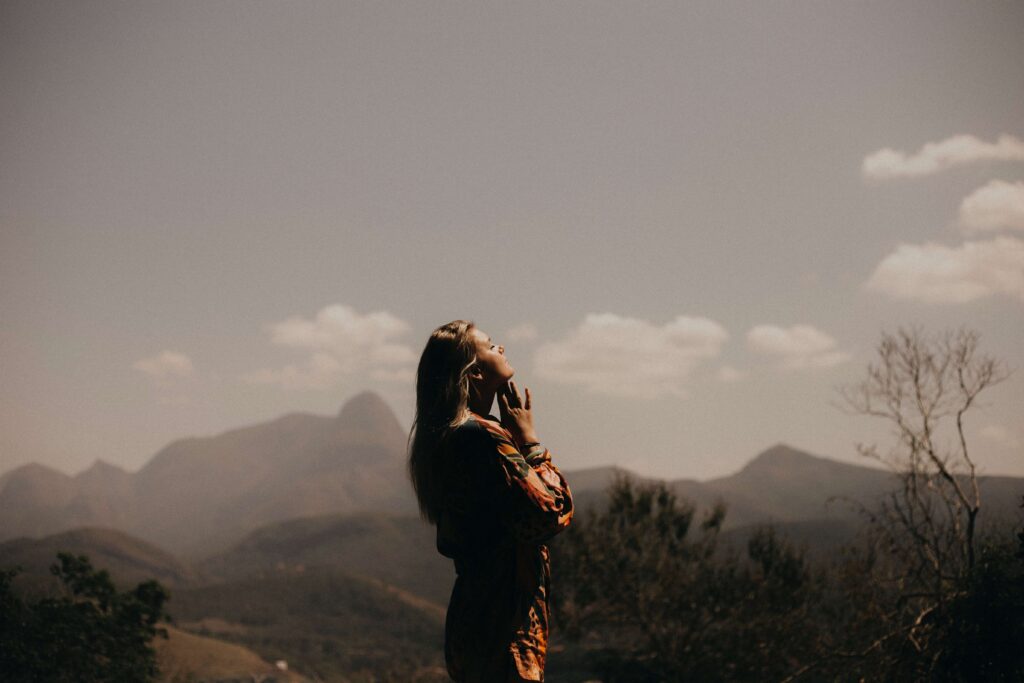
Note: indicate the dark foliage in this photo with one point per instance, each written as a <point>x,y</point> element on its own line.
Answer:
<point>644,594</point>
<point>327,624</point>
<point>91,634</point>
<point>642,588</point>
<point>980,636</point>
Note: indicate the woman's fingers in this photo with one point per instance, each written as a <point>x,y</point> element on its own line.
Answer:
<point>513,395</point>
<point>527,404</point>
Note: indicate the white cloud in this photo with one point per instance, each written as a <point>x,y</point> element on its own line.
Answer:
<point>340,329</point>
<point>527,332</point>
<point>997,205</point>
<point>341,342</point>
<point>165,364</point>
<point>933,157</point>
<point>799,346</point>
<point>615,355</point>
<point>934,273</point>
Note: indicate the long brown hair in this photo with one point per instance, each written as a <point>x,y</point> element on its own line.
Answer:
<point>442,400</point>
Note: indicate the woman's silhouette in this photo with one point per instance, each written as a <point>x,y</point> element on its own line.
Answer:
<point>495,497</point>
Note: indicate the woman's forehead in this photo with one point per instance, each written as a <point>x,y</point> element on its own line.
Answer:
<point>479,335</point>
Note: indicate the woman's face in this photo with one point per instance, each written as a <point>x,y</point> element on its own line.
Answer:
<point>490,359</point>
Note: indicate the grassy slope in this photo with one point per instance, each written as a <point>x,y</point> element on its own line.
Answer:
<point>323,622</point>
<point>185,657</point>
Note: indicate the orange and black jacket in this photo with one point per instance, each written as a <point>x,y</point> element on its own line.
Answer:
<point>501,505</point>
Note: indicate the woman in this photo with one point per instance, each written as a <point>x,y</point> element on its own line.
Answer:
<point>491,490</point>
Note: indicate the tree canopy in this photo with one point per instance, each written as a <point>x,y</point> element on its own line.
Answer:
<point>91,633</point>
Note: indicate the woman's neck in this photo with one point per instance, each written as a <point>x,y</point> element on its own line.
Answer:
<point>481,402</point>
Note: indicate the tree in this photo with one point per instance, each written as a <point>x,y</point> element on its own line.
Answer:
<point>924,387</point>
<point>92,633</point>
<point>650,596</point>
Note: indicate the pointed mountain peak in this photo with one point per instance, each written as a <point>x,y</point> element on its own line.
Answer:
<point>783,462</point>
<point>368,411</point>
<point>782,451</point>
<point>780,457</point>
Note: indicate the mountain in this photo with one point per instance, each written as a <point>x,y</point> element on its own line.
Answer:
<point>198,495</point>
<point>780,484</point>
<point>783,484</point>
<point>34,499</point>
<point>399,550</point>
<point>129,560</point>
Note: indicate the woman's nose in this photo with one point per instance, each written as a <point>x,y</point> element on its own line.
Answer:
<point>501,349</point>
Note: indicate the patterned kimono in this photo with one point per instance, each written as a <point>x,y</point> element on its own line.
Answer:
<point>500,508</point>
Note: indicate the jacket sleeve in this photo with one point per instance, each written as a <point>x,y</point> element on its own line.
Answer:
<point>534,502</point>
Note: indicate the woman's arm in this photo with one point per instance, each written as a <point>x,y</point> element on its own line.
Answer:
<point>533,501</point>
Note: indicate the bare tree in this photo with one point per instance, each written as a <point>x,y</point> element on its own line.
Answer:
<point>924,386</point>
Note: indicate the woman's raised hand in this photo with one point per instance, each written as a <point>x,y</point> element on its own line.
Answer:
<point>516,415</point>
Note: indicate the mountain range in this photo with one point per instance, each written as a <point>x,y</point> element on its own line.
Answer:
<point>199,496</point>
<point>298,538</point>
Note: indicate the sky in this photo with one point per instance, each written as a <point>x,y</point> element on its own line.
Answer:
<point>688,223</point>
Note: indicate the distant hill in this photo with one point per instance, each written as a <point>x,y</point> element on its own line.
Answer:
<point>780,484</point>
<point>397,550</point>
<point>199,497</point>
<point>200,494</point>
<point>783,484</point>
<point>37,500</point>
<point>129,560</point>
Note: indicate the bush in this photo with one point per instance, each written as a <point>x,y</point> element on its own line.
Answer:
<point>90,634</point>
<point>652,598</point>
<point>644,594</point>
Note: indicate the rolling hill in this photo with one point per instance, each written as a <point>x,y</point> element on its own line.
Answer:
<point>398,550</point>
<point>128,559</point>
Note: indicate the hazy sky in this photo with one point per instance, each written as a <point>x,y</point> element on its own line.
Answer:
<point>688,223</point>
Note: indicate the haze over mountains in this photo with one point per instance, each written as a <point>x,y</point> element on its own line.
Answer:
<point>199,496</point>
